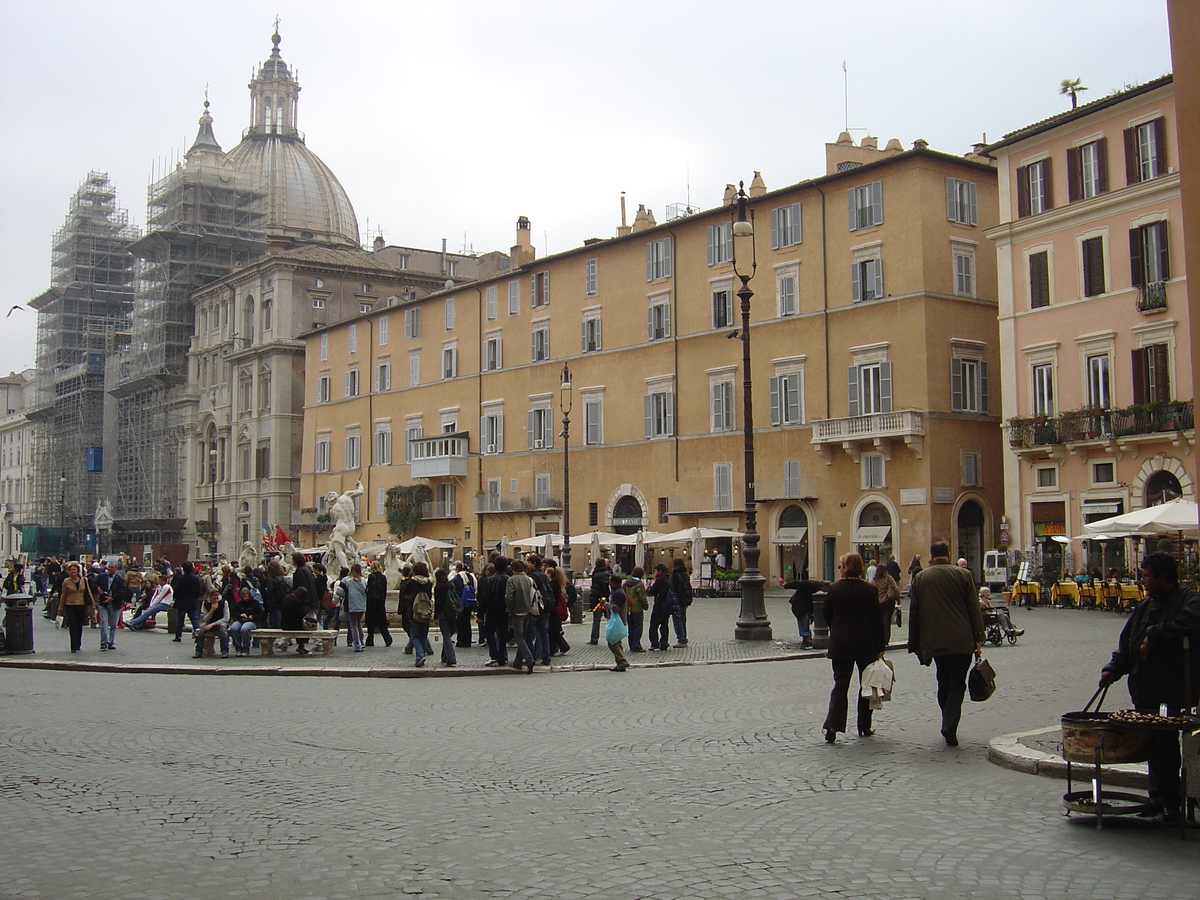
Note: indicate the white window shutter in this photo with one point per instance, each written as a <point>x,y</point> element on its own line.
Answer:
<point>853,204</point>
<point>856,281</point>
<point>776,215</point>
<point>885,386</point>
<point>648,414</point>
<point>956,384</point>
<point>792,397</point>
<point>852,392</point>
<point>878,278</point>
<point>876,203</point>
<point>775,404</point>
<point>983,386</point>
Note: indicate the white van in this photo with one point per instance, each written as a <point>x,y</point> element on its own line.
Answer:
<point>995,570</point>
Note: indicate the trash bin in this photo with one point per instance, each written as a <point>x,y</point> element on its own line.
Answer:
<point>18,623</point>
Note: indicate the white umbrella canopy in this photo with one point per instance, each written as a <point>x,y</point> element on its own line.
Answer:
<point>595,548</point>
<point>1166,518</point>
<point>687,534</point>
<point>548,546</point>
<point>697,547</point>
<point>538,541</point>
<point>505,547</point>
<point>427,543</point>
<point>639,550</point>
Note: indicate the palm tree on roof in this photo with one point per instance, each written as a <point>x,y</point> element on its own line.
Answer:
<point>1072,86</point>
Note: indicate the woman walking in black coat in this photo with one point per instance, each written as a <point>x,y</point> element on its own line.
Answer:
<point>856,638</point>
<point>376,616</point>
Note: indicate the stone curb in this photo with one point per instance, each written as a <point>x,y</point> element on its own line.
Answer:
<point>1009,751</point>
<point>346,672</point>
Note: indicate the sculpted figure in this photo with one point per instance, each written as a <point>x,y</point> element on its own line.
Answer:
<point>248,559</point>
<point>342,549</point>
<point>391,567</point>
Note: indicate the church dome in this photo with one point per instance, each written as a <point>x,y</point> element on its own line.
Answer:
<point>305,201</point>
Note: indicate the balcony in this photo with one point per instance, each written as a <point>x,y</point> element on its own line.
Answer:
<point>439,509</point>
<point>439,456</point>
<point>496,503</point>
<point>1152,297</point>
<point>1110,427</point>
<point>875,432</point>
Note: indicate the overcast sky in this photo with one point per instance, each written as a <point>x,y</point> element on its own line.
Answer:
<point>451,118</point>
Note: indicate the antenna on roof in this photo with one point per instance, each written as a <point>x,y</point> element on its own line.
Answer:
<point>846,98</point>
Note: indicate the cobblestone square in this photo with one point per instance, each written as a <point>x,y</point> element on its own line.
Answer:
<point>668,781</point>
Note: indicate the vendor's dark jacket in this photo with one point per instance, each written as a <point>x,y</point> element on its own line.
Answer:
<point>1165,619</point>
<point>855,628</point>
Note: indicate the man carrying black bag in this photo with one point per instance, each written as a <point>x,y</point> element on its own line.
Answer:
<point>945,627</point>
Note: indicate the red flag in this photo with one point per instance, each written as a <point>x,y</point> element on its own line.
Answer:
<point>281,536</point>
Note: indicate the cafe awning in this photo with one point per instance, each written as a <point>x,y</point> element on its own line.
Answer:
<point>789,535</point>
<point>871,534</point>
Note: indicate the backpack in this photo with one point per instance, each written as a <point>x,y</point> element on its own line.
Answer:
<point>685,592</point>
<point>560,607</point>
<point>468,591</point>
<point>422,610</point>
<point>453,605</point>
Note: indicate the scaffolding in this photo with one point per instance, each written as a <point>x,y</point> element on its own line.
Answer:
<point>203,221</point>
<point>83,323</point>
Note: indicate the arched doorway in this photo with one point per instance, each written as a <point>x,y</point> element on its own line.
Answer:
<point>1161,487</point>
<point>627,518</point>
<point>873,534</point>
<point>970,537</point>
<point>791,543</point>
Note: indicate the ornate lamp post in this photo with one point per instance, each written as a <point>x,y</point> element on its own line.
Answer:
<point>565,402</point>
<point>752,622</point>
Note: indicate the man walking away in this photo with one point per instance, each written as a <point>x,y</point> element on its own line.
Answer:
<point>945,627</point>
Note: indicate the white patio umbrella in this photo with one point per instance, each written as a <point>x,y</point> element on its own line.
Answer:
<point>426,543</point>
<point>1172,517</point>
<point>639,550</point>
<point>505,549</point>
<point>548,547</point>
<point>538,541</point>
<point>595,548</point>
<point>697,548</point>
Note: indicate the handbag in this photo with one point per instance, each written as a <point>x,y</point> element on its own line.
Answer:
<point>981,682</point>
<point>615,631</point>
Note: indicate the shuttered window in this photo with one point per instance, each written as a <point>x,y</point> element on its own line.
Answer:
<point>1149,260</point>
<point>1151,377</point>
<point>1039,280</point>
<point>1093,267</point>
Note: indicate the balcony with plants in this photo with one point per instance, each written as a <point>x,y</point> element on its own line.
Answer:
<point>1142,421</point>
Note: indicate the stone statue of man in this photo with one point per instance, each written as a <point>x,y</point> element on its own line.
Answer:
<point>342,549</point>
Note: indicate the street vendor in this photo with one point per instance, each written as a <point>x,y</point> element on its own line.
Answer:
<point>1151,652</point>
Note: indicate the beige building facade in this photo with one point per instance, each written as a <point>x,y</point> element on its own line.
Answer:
<point>1094,321</point>
<point>16,459</point>
<point>873,334</point>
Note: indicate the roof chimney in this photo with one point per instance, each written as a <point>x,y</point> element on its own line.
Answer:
<point>623,229</point>
<point>522,251</point>
<point>644,218</point>
<point>379,242</point>
<point>758,187</point>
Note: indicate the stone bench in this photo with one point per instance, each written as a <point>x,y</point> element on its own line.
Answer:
<point>268,636</point>
<point>210,639</point>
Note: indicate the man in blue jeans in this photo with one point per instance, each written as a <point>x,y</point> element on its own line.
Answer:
<point>599,598</point>
<point>188,591</point>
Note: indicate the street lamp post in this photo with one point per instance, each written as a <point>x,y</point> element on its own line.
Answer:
<point>565,403</point>
<point>212,510</point>
<point>752,622</point>
<point>62,516</point>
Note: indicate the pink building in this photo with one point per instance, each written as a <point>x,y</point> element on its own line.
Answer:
<point>1094,326</point>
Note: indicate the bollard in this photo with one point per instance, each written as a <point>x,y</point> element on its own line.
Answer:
<point>581,603</point>
<point>18,623</point>
<point>820,628</point>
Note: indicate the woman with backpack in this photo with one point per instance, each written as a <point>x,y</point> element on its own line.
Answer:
<point>664,605</point>
<point>681,584</point>
<point>464,582</point>
<point>375,618</point>
<point>446,607</point>
<point>417,600</point>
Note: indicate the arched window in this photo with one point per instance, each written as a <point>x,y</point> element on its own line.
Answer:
<point>267,111</point>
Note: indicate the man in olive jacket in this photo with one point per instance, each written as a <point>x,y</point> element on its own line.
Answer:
<point>945,626</point>
<point>1151,652</point>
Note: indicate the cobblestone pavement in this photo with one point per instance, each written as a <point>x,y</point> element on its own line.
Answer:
<point>662,782</point>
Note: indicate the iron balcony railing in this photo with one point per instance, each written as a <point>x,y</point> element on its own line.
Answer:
<point>1100,424</point>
